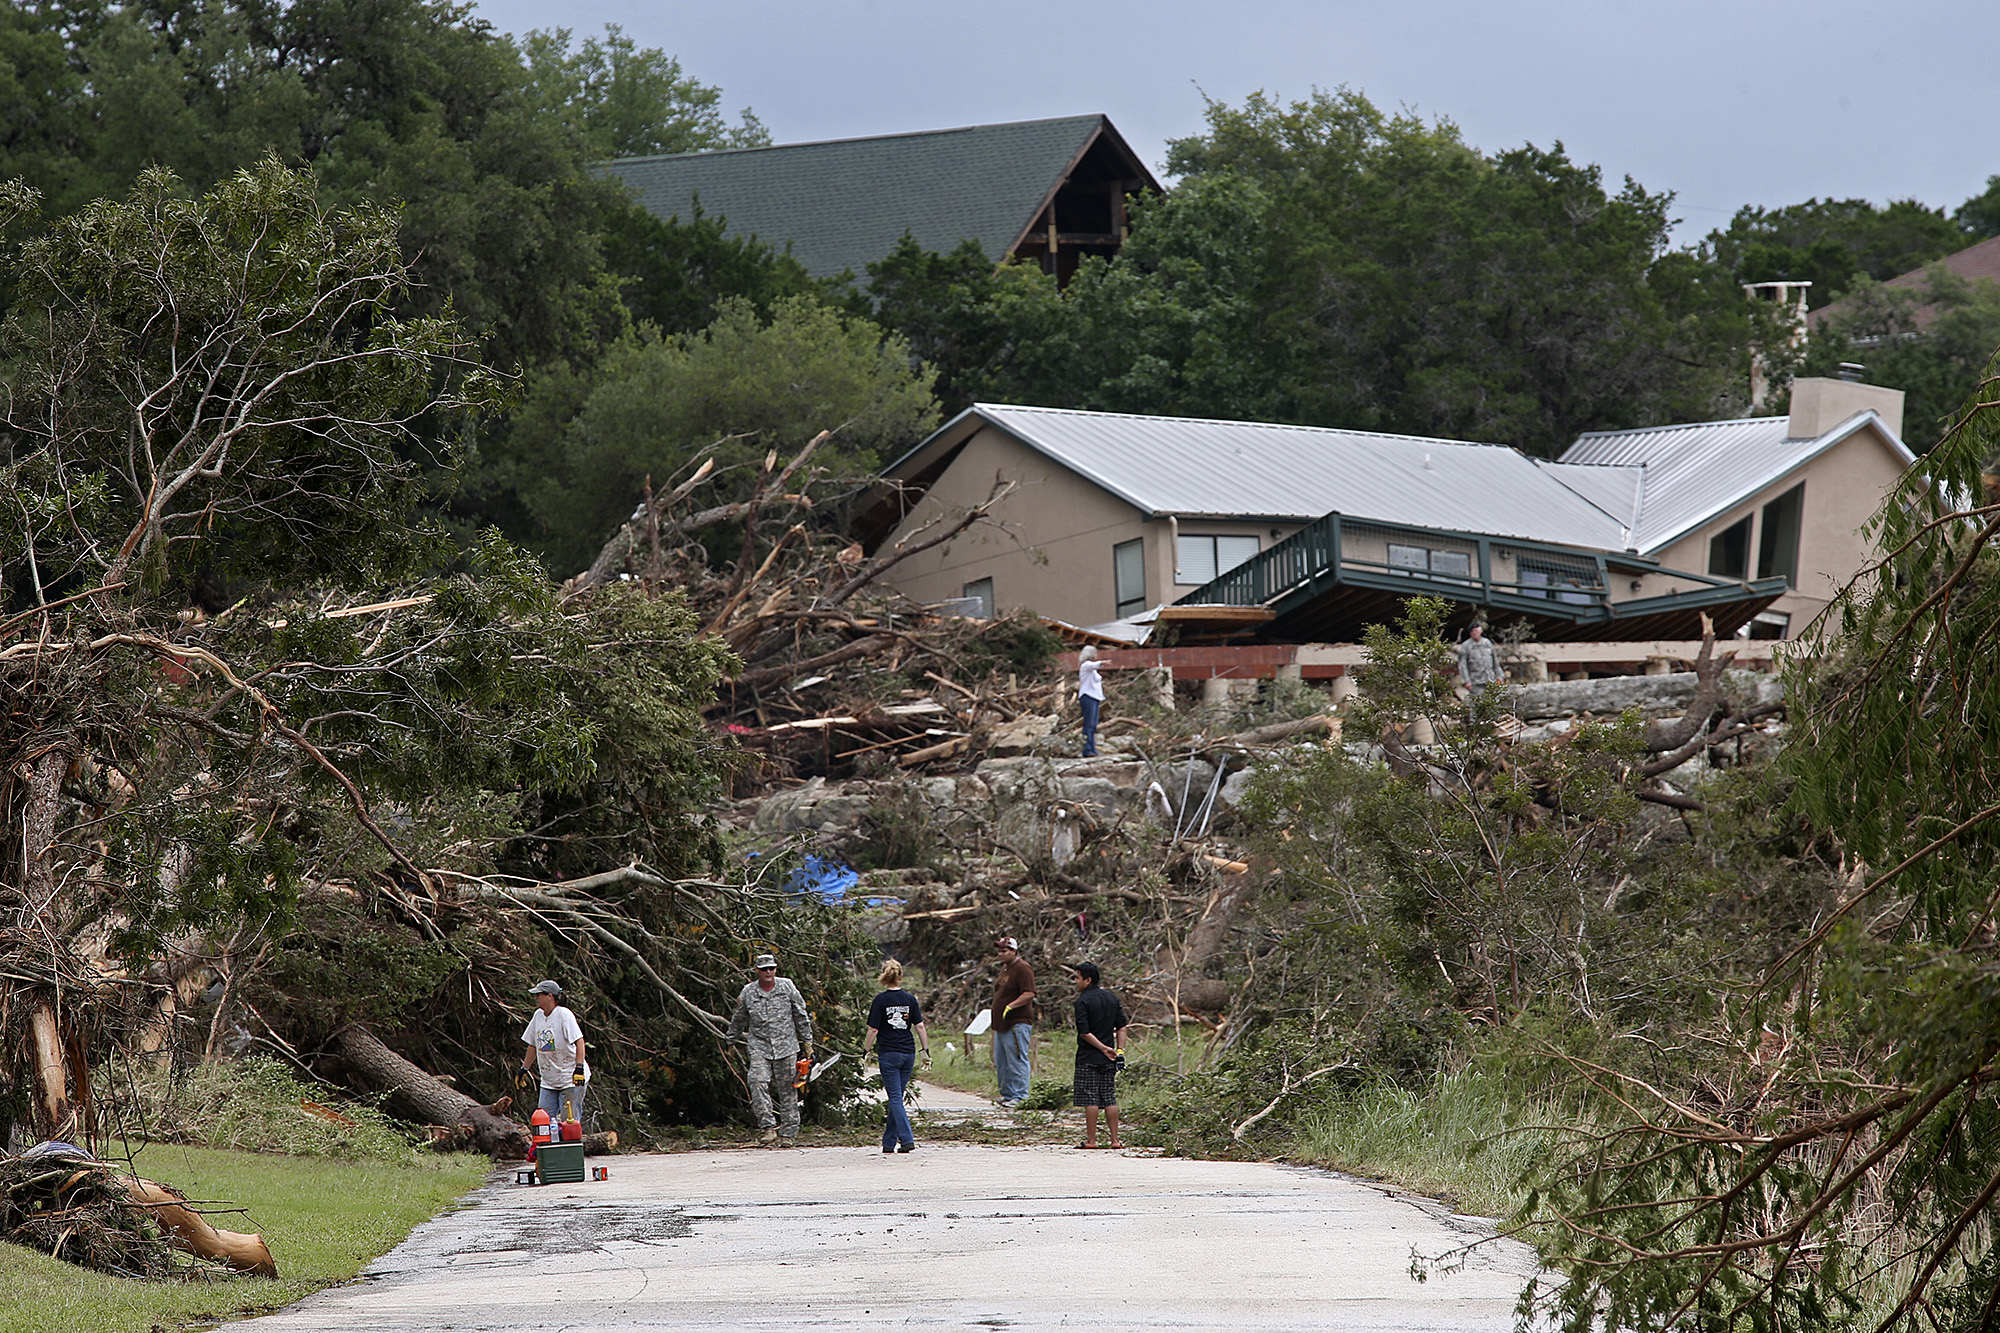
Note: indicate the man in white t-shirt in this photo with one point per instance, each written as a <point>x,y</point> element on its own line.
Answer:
<point>555,1051</point>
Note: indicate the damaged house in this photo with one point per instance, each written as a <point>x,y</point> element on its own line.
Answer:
<point>1231,529</point>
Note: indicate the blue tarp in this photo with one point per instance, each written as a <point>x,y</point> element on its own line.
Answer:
<point>827,880</point>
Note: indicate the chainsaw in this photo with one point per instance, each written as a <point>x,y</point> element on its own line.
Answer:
<point>808,1071</point>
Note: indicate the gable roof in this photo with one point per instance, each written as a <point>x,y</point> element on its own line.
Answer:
<point>844,203</point>
<point>1689,474</point>
<point>1196,468</point>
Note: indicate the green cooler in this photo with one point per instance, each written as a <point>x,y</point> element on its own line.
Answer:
<point>560,1163</point>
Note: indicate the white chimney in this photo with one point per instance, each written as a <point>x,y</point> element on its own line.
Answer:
<point>1818,405</point>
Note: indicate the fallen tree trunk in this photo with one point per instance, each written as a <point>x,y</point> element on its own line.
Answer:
<point>432,1103</point>
<point>188,1230</point>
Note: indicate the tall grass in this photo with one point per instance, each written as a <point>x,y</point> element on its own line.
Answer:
<point>257,1105</point>
<point>1468,1138</point>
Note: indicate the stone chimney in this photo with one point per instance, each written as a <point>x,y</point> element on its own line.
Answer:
<point>1818,405</point>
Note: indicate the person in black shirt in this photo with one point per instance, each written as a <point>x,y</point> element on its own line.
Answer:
<point>1100,1050</point>
<point>895,1026</point>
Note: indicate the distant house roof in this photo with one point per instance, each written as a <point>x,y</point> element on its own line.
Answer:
<point>1975,263</point>
<point>845,203</point>
<point>1686,475</point>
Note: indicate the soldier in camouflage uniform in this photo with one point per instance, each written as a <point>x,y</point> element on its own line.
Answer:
<point>772,1022</point>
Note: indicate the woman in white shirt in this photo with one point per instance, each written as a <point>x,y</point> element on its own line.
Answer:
<point>1089,693</point>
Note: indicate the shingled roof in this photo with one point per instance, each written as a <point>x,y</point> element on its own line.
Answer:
<point>843,204</point>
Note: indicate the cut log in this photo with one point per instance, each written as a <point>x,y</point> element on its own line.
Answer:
<point>188,1230</point>
<point>1317,725</point>
<point>428,1101</point>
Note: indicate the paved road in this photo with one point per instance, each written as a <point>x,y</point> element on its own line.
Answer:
<point>951,1236</point>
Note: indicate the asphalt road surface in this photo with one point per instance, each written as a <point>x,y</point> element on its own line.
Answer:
<point>951,1236</point>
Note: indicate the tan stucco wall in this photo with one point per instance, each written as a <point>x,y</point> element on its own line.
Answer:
<point>1052,549</point>
<point>1844,487</point>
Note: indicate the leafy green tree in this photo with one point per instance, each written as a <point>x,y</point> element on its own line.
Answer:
<point>631,102</point>
<point>1832,243</point>
<point>1433,289</point>
<point>742,387</point>
<point>1178,325</point>
<point>677,274</point>
<point>1484,866</point>
<point>1979,216</point>
<point>1931,341</point>
<point>946,306</point>
<point>483,143</point>
<point>1842,1167</point>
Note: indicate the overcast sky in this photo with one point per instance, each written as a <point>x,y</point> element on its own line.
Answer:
<point>1724,103</point>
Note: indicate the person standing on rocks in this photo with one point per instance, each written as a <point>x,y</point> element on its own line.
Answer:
<point>1478,661</point>
<point>555,1052</point>
<point>895,1027</point>
<point>1090,695</point>
<point>1013,1021</point>
<point>772,1023</point>
<point>1100,1053</point>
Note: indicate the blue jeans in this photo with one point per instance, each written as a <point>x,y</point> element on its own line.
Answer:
<point>1010,1060</point>
<point>1090,707</point>
<point>552,1100</point>
<point>897,1068</point>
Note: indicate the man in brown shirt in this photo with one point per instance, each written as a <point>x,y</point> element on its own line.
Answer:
<point>1013,1021</point>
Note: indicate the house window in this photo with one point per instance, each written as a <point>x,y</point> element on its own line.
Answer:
<point>1128,574</point>
<point>1199,560</point>
<point>1729,551</point>
<point>1778,547</point>
<point>1458,564</point>
<point>1450,564</point>
<point>1552,578</point>
<point>980,591</point>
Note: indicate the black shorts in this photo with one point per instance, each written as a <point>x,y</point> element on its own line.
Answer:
<point>1095,1085</point>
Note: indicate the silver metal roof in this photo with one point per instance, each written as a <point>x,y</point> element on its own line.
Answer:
<point>1241,469</point>
<point>1693,473</point>
<point>1635,490</point>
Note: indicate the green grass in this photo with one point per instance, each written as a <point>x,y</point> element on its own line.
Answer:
<point>1451,1141</point>
<point>323,1221</point>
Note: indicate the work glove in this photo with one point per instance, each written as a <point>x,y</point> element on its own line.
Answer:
<point>580,1077</point>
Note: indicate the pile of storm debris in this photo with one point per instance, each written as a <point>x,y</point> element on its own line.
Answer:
<point>1144,849</point>
<point>930,760</point>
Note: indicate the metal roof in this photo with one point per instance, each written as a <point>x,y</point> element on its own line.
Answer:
<point>1694,472</point>
<point>844,203</point>
<point>1243,469</point>
<point>1631,490</point>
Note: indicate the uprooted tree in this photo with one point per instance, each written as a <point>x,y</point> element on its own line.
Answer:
<point>277,763</point>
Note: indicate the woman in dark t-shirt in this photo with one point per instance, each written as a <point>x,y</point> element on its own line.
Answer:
<point>895,1028</point>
